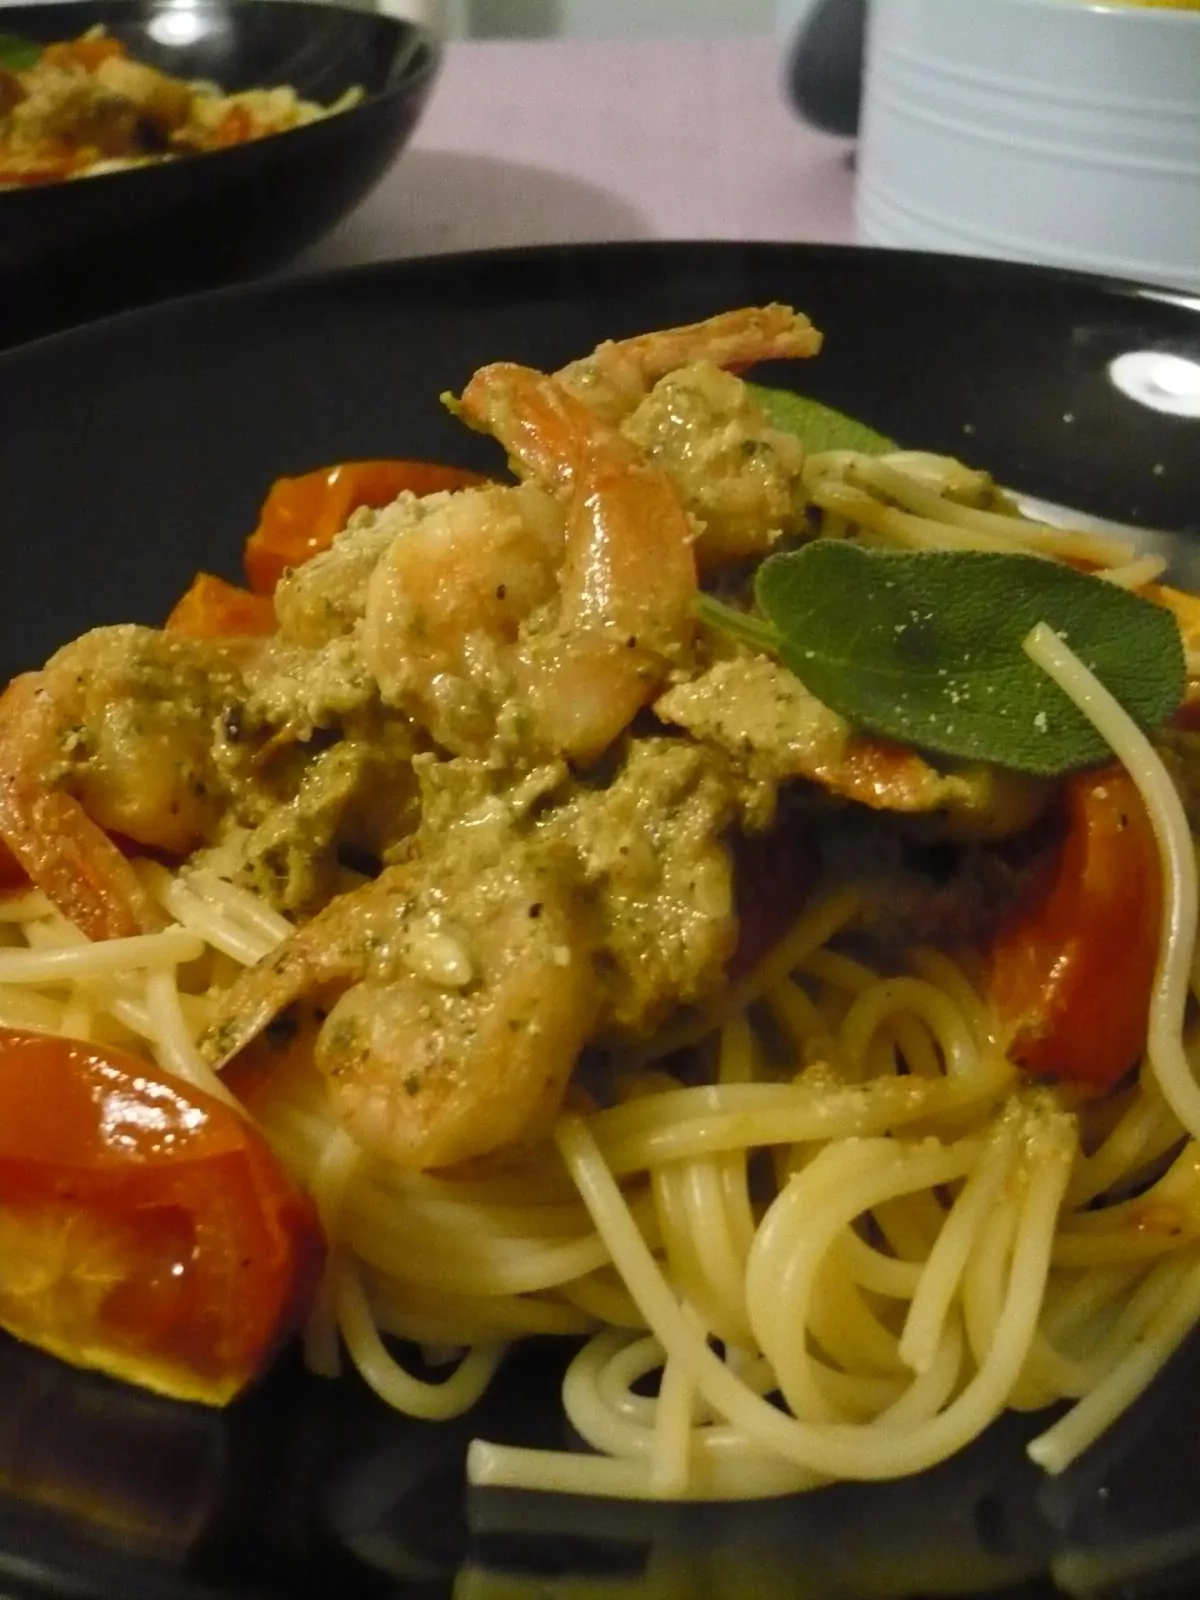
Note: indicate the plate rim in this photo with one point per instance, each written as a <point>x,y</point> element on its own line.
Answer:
<point>285,285</point>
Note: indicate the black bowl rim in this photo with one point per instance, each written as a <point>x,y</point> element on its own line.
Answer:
<point>919,264</point>
<point>417,73</point>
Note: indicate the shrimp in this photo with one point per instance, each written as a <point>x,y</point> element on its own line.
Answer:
<point>673,395</point>
<point>550,613</point>
<point>764,718</point>
<point>112,736</point>
<point>501,614</point>
<point>462,984</point>
<point>445,602</point>
<point>739,479</point>
<point>462,992</point>
<point>618,374</point>
<point>626,589</point>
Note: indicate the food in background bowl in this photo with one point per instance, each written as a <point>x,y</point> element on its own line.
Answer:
<point>84,106</point>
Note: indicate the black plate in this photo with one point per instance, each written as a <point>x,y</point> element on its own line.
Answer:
<point>72,250</point>
<point>133,452</point>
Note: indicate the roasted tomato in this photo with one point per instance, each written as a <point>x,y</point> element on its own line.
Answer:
<point>1073,969</point>
<point>146,1228</point>
<point>301,516</point>
<point>214,609</point>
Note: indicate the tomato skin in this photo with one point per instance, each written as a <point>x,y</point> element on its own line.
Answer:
<point>1071,973</point>
<point>214,609</point>
<point>205,1254</point>
<point>301,516</point>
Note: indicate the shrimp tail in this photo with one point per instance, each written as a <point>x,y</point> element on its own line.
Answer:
<point>540,424</point>
<point>320,958</point>
<point>618,373</point>
<point>65,854</point>
<point>544,429</point>
<point>261,993</point>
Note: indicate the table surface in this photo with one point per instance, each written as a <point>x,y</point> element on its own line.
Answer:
<point>540,141</point>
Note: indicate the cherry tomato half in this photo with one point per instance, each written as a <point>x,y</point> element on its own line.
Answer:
<point>146,1228</point>
<point>214,609</point>
<point>301,516</point>
<point>1073,969</point>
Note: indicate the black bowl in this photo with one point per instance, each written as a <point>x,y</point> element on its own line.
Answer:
<point>71,250</point>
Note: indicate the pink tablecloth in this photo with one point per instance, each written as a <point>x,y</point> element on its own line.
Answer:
<point>528,142</point>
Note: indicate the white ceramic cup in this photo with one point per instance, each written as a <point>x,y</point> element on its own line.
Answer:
<point>1039,130</point>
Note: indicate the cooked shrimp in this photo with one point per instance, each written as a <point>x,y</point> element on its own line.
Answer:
<point>483,620</point>
<point>619,373</point>
<point>490,616</point>
<point>626,591</point>
<point>113,735</point>
<point>463,992</point>
<point>446,600</point>
<point>669,392</point>
<point>739,478</point>
<point>777,731</point>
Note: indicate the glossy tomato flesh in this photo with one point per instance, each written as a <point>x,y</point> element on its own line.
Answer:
<point>146,1227</point>
<point>1072,971</point>
<point>301,516</point>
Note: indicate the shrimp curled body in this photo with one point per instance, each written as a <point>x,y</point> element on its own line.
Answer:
<point>112,736</point>
<point>549,613</point>
<point>461,991</point>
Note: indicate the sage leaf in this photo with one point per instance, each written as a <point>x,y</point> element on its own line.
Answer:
<point>927,649</point>
<point>820,426</point>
